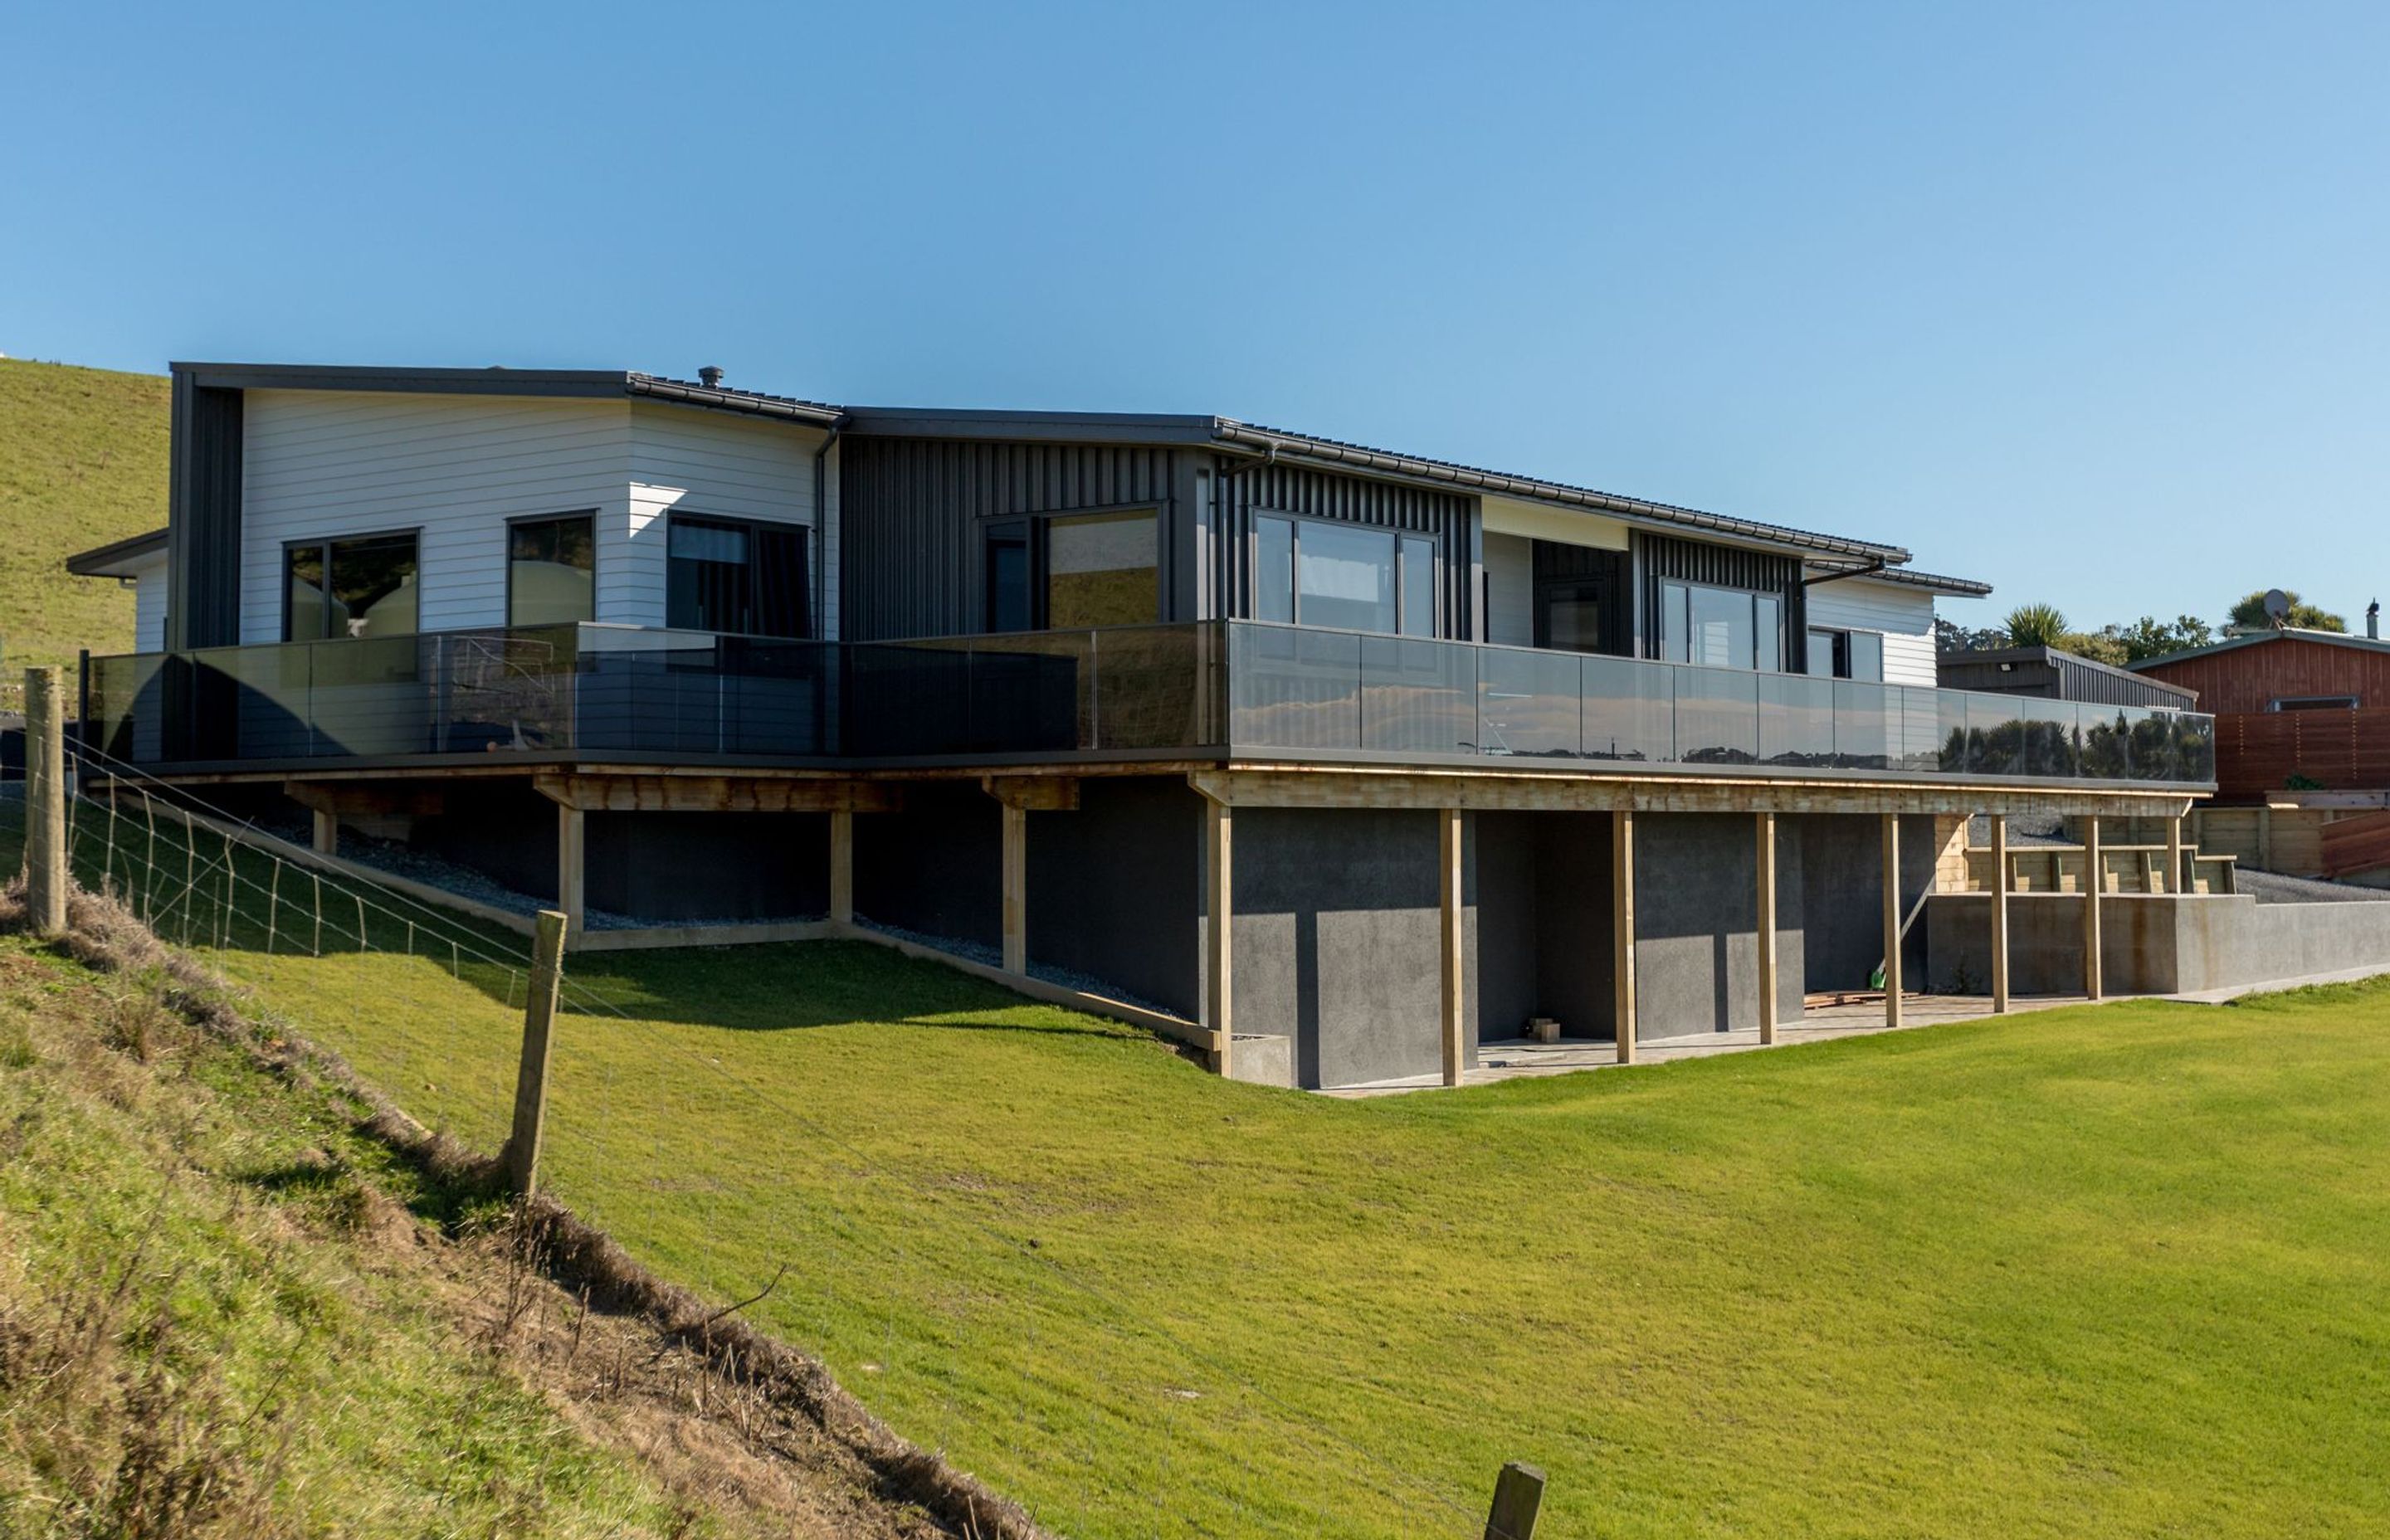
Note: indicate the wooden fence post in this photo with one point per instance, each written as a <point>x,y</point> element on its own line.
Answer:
<point>47,873</point>
<point>1518,1497</point>
<point>530,1080</point>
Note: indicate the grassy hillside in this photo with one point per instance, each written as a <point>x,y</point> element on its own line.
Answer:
<point>2118,1271</point>
<point>228,1315</point>
<point>82,462</point>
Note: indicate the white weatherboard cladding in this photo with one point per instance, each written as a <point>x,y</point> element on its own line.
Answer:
<point>703,462</point>
<point>1510,590</point>
<point>319,463</point>
<point>1905,616</point>
<point>148,603</point>
<point>333,463</point>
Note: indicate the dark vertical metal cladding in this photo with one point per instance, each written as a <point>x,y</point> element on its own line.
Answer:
<point>911,511</point>
<point>1247,488</point>
<point>203,517</point>
<point>1659,557</point>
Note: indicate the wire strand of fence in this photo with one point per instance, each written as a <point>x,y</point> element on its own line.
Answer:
<point>210,897</point>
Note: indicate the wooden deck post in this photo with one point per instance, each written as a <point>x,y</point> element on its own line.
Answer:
<point>1450,981</point>
<point>841,866</point>
<point>1892,920</point>
<point>1767,927</point>
<point>2174,882</point>
<point>47,871</point>
<point>327,841</point>
<point>2094,882</point>
<point>531,1077</point>
<point>1015,889</point>
<point>1220,832</point>
<point>569,870</point>
<point>1622,916</point>
<point>1999,913</point>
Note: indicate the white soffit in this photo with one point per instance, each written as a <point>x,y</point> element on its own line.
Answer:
<point>1559,526</point>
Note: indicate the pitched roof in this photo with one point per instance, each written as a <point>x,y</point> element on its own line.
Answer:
<point>113,559</point>
<point>2256,638</point>
<point>1226,434</point>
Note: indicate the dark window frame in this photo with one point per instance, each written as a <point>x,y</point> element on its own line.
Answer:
<point>1033,530</point>
<point>2314,703</point>
<point>1250,598</point>
<point>808,547</point>
<point>590,514</point>
<point>325,543</point>
<point>1783,629</point>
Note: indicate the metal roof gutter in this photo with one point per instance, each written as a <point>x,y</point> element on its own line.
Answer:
<point>681,392</point>
<point>1443,473</point>
<point>104,561</point>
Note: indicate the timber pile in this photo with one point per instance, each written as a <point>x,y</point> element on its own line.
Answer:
<point>2356,844</point>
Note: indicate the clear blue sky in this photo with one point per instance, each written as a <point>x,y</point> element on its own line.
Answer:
<point>2087,300</point>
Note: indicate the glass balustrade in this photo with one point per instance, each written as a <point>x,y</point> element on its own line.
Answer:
<point>1238,689</point>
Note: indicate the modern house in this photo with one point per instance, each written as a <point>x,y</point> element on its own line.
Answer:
<point>1344,759</point>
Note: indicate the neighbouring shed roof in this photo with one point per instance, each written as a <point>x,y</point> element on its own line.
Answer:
<point>2257,638</point>
<point>2058,674</point>
<point>1228,435</point>
<point>119,557</point>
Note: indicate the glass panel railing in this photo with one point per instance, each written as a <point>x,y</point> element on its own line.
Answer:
<point>1796,721</point>
<point>1718,716</point>
<point>1292,688</point>
<point>2053,738</point>
<point>1528,703</point>
<point>1140,691</point>
<point>1630,710</point>
<point>1418,696</point>
<point>1867,720</point>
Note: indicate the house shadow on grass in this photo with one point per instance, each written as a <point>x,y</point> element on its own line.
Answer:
<point>793,985</point>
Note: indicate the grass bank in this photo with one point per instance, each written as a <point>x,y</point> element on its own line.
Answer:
<point>2096,1272</point>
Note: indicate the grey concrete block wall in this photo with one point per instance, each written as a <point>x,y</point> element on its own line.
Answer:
<point>1843,896</point>
<point>705,866</point>
<point>1574,938</point>
<point>1116,889</point>
<point>1338,929</point>
<point>2153,944</point>
<point>1697,922</point>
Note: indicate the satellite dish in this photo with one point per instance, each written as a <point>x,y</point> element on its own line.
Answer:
<point>2278,607</point>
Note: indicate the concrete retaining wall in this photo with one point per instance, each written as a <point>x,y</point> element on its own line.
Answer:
<point>2151,944</point>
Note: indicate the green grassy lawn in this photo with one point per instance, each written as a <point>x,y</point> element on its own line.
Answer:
<point>2094,1272</point>
<point>82,462</point>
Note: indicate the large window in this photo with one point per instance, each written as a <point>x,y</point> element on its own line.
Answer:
<point>359,586</point>
<point>1309,572</point>
<point>1103,569</point>
<point>550,564</point>
<point>1847,654</point>
<point>740,577</point>
<point>1721,627</point>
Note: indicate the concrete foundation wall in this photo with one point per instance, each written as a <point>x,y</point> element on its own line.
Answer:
<point>1338,927</point>
<point>1116,889</point>
<point>1843,896</point>
<point>706,866</point>
<point>1697,922</point>
<point>504,830</point>
<point>2151,944</point>
<point>937,866</point>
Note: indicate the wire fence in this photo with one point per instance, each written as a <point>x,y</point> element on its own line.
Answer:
<point>969,1308</point>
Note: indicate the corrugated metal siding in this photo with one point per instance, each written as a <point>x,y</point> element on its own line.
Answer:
<point>2251,678</point>
<point>203,517</point>
<point>1246,488</point>
<point>2054,676</point>
<point>1659,557</point>
<point>910,512</point>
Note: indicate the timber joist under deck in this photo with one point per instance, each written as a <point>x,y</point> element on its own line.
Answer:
<point>1286,784</point>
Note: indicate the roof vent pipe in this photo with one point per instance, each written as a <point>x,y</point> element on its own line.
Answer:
<point>2373,619</point>
<point>710,377</point>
